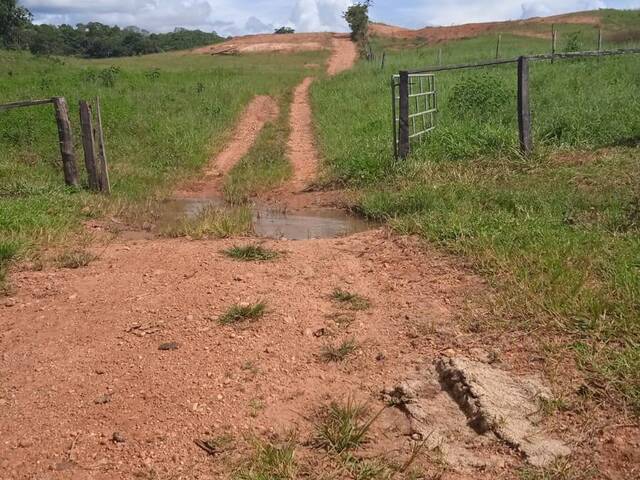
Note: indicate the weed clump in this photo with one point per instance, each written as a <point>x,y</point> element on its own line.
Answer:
<point>343,426</point>
<point>75,259</point>
<point>241,313</point>
<point>353,300</point>
<point>213,222</point>
<point>271,461</point>
<point>8,250</point>
<point>250,253</point>
<point>337,353</point>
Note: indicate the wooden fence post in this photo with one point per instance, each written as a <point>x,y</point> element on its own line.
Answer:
<point>384,55</point>
<point>403,133</point>
<point>65,136</point>
<point>554,38</point>
<point>103,170</point>
<point>599,39</point>
<point>88,145</point>
<point>524,109</point>
<point>498,46</point>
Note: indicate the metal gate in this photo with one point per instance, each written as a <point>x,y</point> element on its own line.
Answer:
<point>423,105</point>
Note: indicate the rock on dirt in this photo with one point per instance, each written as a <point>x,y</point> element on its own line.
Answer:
<point>496,401</point>
<point>467,409</point>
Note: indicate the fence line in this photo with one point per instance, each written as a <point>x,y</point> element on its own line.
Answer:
<point>524,112</point>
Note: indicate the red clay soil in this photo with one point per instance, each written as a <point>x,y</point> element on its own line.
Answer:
<point>470,30</point>
<point>286,43</point>
<point>301,147</point>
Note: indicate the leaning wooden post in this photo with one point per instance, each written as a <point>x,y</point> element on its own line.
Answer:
<point>384,55</point>
<point>66,141</point>
<point>88,145</point>
<point>103,169</point>
<point>403,133</point>
<point>498,46</point>
<point>524,109</point>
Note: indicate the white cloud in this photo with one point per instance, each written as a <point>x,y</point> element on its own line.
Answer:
<point>319,15</point>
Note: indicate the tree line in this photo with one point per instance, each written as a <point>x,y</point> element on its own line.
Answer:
<point>93,40</point>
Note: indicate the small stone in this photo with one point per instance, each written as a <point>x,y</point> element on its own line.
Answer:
<point>168,346</point>
<point>10,302</point>
<point>117,437</point>
<point>220,397</point>
<point>380,356</point>
<point>416,436</point>
<point>73,296</point>
<point>25,443</point>
<point>189,318</point>
<point>102,399</point>
<point>321,332</point>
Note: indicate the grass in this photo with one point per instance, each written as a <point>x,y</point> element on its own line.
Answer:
<point>352,300</point>
<point>338,353</point>
<point>271,461</point>
<point>555,234</point>
<point>242,313</point>
<point>214,222</point>
<point>164,117</point>
<point>75,258</point>
<point>266,166</point>
<point>343,426</point>
<point>8,251</point>
<point>251,253</point>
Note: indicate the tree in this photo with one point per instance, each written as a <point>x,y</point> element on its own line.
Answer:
<point>284,30</point>
<point>13,22</point>
<point>357,16</point>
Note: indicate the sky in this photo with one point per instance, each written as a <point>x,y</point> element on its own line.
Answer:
<point>236,17</point>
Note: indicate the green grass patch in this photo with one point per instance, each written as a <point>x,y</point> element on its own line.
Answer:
<point>266,166</point>
<point>243,313</point>
<point>271,461</point>
<point>251,253</point>
<point>8,251</point>
<point>343,426</point>
<point>351,300</point>
<point>213,222</point>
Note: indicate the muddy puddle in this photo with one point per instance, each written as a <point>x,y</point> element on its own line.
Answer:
<point>270,222</point>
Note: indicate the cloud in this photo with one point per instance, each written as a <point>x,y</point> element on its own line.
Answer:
<point>319,15</point>
<point>255,25</point>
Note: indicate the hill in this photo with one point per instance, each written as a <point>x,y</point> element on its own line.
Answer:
<point>618,25</point>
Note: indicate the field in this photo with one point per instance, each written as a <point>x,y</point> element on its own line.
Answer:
<point>157,333</point>
<point>161,113</point>
<point>558,233</point>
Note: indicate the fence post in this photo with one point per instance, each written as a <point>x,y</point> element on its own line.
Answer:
<point>89,146</point>
<point>403,133</point>
<point>440,57</point>
<point>524,109</point>
<point>66,141</point>
<point>103,169</point>
<point>599,39</point>
<point>498,46</point>
<point>554,38</point>
<point>384,55</point>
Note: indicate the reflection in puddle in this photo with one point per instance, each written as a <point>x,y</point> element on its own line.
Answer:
<point>269,222</point>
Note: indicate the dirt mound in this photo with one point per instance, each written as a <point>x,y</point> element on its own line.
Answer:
<point>470,30</point>
<point>289,42</point>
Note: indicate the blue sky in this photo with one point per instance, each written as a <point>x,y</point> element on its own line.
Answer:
<point>233,17</point>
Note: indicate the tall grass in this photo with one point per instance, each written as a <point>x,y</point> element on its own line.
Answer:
<point>556,233</point>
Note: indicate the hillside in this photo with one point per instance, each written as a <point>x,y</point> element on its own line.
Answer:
<point>617,25</point>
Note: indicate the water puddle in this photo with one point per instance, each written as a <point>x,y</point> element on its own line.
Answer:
<point>270,222</point>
